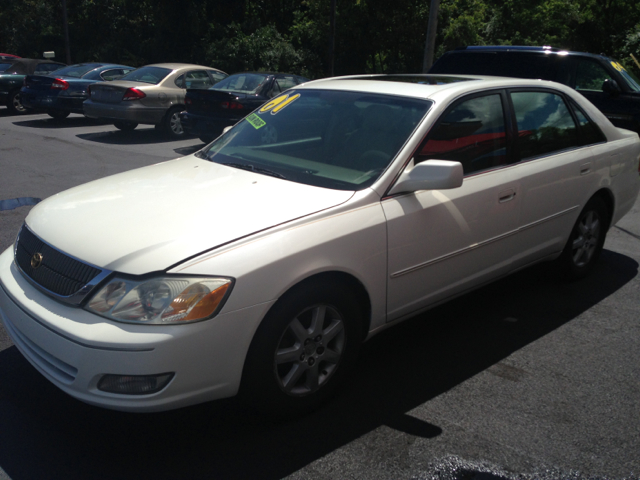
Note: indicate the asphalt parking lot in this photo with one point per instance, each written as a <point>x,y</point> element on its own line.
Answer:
<point>524,376</point>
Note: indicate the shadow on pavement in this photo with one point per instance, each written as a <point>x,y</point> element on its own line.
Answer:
<point>69,122</point>
<point>139,136</point>
<point>189,150</point>
<point>47,434</point>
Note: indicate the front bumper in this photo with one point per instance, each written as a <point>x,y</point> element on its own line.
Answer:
<point>132,112</point>
<point>74,348</point>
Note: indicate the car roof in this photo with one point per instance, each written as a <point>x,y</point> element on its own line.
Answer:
<point>524,48</point>
<point>179,66</point>
<point>422,85</point>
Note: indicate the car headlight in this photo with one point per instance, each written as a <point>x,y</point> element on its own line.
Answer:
<point>161,301</point>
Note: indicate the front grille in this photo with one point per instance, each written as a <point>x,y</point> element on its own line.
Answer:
<point>58,273</point>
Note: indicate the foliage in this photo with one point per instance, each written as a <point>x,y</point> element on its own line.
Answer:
<point>371,36</point>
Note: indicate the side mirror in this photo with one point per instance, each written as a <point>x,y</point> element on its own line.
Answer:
<point>611,87</point>
<point>430,175</point>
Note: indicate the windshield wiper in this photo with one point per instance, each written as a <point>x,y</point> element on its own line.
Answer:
<point>254,169</point>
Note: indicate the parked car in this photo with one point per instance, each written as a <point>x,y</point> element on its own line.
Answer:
<point>259,264</point>
<point>64,91</point>
<point>602,80</point>
<point>12,74</point>
<point>152,95</point>
<point>209,111</point>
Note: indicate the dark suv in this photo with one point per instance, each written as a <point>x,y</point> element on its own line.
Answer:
<point>601,79</point>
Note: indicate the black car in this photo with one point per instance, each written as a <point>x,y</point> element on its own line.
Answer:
<point>606,83</point>
<point>12,74</point>
<point>209,111</point>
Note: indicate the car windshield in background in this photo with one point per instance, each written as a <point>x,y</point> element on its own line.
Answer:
<point>76,71</point>
<point>152,75</point>
<point>332,139</point>
<point>243,83</point>
<point>632,80</point>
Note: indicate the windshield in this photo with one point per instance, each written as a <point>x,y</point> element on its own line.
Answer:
<point>76,71</point>
<point>332,139</point>
<point>244,83</point>
<point>631,79</point>
<point>152,75</point>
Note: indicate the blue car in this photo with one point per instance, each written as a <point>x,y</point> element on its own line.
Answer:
<point>63,92</point>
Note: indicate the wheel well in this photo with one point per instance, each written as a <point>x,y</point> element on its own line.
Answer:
<point>607,197</point>
<point>352,284</point>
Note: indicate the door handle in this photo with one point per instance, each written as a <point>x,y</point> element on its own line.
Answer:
<point>585,168</point>
<point>506,196</point>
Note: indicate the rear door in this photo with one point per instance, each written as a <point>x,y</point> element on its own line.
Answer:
<point>556,171</point>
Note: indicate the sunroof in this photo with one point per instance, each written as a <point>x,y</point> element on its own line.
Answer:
<point>419,79</point>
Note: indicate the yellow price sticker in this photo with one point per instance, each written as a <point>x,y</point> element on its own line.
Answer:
<point>618,67</point>
<point>279,103</point>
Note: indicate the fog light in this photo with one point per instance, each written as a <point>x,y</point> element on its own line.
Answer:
<point>134,384</point>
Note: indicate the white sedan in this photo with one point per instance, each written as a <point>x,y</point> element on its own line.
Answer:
<point>260,264</point>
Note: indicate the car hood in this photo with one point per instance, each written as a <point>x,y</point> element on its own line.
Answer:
<point>151,218</point>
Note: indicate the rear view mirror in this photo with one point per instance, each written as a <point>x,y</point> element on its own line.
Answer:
<point>429,175</point>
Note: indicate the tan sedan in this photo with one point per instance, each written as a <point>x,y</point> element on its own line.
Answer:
<point>153,95</point>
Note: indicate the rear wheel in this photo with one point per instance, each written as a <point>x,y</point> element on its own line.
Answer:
<point>58,114</point>
<point>585,243</point>
<point>125,126</point>
<point>171,123</point>
<point>14,105</point>
<point>303,349</point>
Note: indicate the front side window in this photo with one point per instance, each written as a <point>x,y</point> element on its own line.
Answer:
<point>590,76</point>
<point>544,122</point>
<point>472,133</point>
<point>332,139</point>
<point>151,75</point>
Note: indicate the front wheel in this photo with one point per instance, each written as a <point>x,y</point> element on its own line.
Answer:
<point>585,243</point>
<point>303,350</point>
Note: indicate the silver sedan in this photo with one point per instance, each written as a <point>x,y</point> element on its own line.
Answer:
<point>153,95</point>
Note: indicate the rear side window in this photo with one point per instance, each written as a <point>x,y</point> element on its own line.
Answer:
<point>472,133</point>
<point>286,83</point>
<point>589,131</point>
<point>544,122</point>
<point>4,66</point>
<point>590,76</point>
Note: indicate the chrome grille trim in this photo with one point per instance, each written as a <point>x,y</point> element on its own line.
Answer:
<point>61,276</point>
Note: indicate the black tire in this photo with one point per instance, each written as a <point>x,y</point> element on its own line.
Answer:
<point>13,103</point>
<point>585,243</point>
<point>171,123</point>
<point>125,126</point>
<point>58,114</point>
<point>314,358</point>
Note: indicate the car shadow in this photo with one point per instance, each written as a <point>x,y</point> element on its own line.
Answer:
<point>47,434</point>
<point>69,122</point>
<point>139,136</point>
<point>189,150</point>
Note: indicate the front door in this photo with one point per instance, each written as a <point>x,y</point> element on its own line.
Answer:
<point>443,242</point>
